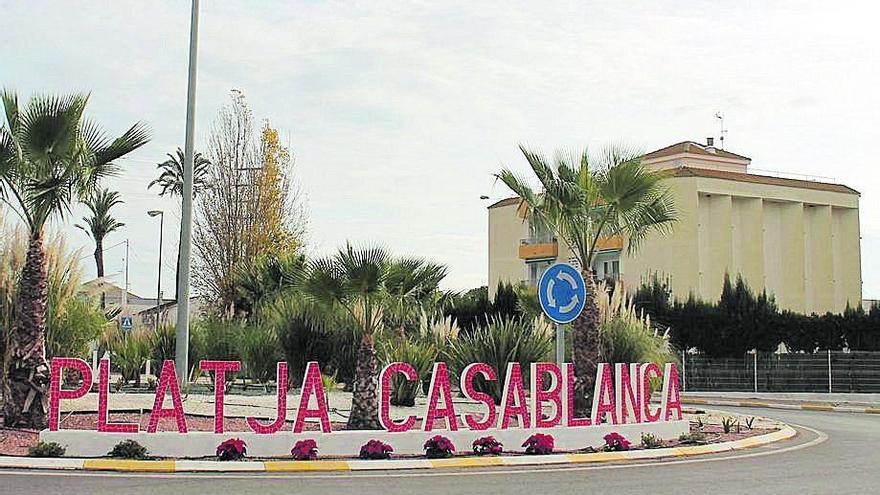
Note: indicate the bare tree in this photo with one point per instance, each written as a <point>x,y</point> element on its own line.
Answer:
<point>250,206</point>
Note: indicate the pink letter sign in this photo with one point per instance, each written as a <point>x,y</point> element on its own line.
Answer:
<point>385,398</point>
<point>440,386</point>
<point>513,399</point>
<point>281,415</point>
<point>649,370</point>
<point>103,392</point>
<point>55,391</point>
<point>220,368</point>
<point>551,394</point>
<point>571,400</point>
<point>467,388</point>
<point>312,386</point>
<point>628,393</point>
<point>671,401</point>
<point>167,380</point>
<point>603,396</point>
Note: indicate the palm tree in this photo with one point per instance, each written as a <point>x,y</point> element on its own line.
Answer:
<point>50,157</point>
<point>370,285</point>
<point>582,199</point>
<point>170,182</point>
<point>171,179</point>
<point>101,223</point>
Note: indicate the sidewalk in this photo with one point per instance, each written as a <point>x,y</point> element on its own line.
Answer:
<point>853,403</point>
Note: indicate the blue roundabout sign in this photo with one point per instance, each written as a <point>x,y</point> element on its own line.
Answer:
<point>562,293</point>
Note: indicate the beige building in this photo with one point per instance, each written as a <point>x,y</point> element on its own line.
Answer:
<point>797,238</point>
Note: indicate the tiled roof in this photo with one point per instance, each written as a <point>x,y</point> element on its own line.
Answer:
<point>693,148</point>
<point>735,176</point>
<point>505,202</point>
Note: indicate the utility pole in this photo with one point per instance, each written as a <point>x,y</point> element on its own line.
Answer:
<point>182,344</point>
<point>125,291</point>
<point>161,215</point>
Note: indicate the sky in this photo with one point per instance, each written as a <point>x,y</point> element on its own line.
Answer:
<point>398,113</point>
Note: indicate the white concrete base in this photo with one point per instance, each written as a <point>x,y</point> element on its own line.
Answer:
<point>84,443</point>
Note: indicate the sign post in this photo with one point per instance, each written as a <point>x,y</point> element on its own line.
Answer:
<point>562,293</point>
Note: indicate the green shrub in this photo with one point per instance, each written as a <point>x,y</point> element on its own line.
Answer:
<point>502,342</point>
<point>632,341</point>
<point>260,352</point>
<point>162,344</point>
<point>46,449</point>
<point>651,441</point>
<point>129,352</point>
<point>420,354</point>
<point>215,339</point>
<point>627,336</point>
<point>129,449</point>
<point>729,423</point>
<point>300,329</point>
<point>78,323</point>
<point>694,437</point>
<point>219,339</point>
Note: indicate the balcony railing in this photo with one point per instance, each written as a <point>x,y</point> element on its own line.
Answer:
<point>538,247</point>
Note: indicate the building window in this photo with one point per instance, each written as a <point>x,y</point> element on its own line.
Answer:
<point>536,271</point>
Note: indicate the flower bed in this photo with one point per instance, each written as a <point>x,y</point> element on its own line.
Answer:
<point>17,442</point>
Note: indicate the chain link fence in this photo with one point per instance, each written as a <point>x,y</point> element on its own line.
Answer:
<point>826,371</point>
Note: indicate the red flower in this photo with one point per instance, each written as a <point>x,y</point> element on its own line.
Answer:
<point>376,449</point>
<point>616,441</point>
<point>539,444</point>
<point>487,445</point>
<point>232,449</point>
<point>305,450</point>
<point>438,446</point>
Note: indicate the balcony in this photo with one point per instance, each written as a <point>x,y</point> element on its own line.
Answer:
<point>536,248</point>
<point>609,243</point>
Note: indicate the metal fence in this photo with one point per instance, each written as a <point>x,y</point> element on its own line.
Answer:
<point>826,371</point>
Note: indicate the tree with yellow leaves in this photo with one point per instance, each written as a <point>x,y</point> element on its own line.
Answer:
<point>250,206</point>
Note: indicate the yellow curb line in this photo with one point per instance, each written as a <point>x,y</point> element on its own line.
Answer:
<point>129,465</point>
<point>873,410</point>
<point>812,407</point>
<point>598,457</point>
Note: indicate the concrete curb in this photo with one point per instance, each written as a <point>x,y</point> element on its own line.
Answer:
<point>185,465</point>
<point>773,405</point>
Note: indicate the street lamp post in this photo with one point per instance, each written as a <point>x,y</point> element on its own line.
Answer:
<point>181,350</point>
<point>161,215</point>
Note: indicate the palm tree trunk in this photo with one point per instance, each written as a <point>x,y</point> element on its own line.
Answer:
<point>99,266</point>
<point>365,399</point>
<point>25,391</point>
<point>585,347</point>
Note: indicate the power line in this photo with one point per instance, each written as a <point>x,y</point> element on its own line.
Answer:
<point>103,250</point>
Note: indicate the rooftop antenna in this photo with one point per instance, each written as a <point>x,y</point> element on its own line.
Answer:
<point>720,117</point>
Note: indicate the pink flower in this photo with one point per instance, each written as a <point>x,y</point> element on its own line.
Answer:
<point>438,446</point>
<point>305,450</point>
<point>616,441</point>
<point>487,445</point>
<point>376,449</point>
<point>232,449</point>
<point>539,444</point>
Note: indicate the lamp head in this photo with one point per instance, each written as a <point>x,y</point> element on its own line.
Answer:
<point>154,213</point>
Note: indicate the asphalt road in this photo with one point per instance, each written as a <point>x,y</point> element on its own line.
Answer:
<point>847,462</point>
